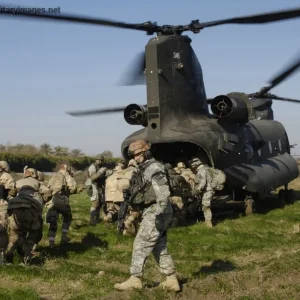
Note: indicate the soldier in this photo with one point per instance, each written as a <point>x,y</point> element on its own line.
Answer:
<point>25,215</point>
<point>7,191</point>
<point>149,188</point>
<point>61,184</point>
<point>204,187</point>
<point>190,204</point>
<point>180,189</point>
<point>95,186</point>
<point>132,218</point>
<point>113,194</point>
<point>47,195</point>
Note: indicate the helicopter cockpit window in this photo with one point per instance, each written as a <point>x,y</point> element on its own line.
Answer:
<point>270,147</point>
<point>249,151</point>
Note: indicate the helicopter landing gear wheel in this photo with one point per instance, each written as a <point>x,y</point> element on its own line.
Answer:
<point>286,197</point>
<point>249,206</point>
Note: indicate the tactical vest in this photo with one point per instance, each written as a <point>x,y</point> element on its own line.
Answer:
<point>116,183</point>
<point>175,183</point>
<point>58,184</point>
<point>217,178</point>
<point>141,191</point>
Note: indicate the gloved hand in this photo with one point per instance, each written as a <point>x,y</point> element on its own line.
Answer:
<point>159,222</point>
<point>195,193</point>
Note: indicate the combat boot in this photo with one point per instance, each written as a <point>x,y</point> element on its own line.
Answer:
<point>93,221</point>
<point>107,218</point>
<point>209,223</point>
<point>65,238</point>
<point>131,283</point>
<point>171,283</point>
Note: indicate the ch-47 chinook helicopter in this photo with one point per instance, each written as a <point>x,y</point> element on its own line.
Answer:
<point>241,138</point>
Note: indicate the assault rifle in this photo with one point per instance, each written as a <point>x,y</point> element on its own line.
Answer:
<point>123,210</point>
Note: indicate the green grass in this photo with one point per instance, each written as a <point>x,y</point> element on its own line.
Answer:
<point>254,257</point>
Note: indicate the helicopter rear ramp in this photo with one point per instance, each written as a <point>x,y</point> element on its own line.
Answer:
<point>265,176</point>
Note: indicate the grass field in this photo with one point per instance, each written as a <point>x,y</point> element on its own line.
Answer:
<point>253,257</point>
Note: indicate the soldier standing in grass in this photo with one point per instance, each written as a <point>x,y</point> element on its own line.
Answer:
<point>150,190</point>
<point>95,187</point>
<point>62,185</point>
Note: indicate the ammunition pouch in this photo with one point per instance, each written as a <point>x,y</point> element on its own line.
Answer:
<point>60,199</point>
<point>2,192</point>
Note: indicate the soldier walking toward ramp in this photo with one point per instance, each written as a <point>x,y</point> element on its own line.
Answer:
<point>62,184</point>
<point>7,191</point>
<point>150,190</point>
<point>25,211</point>
<point>204,187</point>
<point>210,180</point>
<point>95,186</point>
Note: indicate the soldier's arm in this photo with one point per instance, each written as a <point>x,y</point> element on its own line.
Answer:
<point>45,192</point>
<point>99,174</point>
<point>71,184</point>
<point>156,173</point>
<point>9,184</point>
<point>201,175</point>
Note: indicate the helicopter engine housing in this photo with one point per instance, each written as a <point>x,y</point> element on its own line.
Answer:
<point>135,114</point>
<point>235,108</point>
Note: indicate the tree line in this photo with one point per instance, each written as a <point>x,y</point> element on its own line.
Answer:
<point>46,157</point>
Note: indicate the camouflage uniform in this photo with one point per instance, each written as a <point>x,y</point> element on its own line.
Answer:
<point>134,214</point>
<point>62,184</point>
<point>7,191</point>
<point>191,206</point>
<point>157,216</point>
<point>25,211</point>
<point>95,185</point>
<point>180,189</point>
<point>204,187</point>
<point>47,195</point>
<point>113,194</point>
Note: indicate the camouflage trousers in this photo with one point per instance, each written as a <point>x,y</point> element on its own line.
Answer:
<point>206,203</point>
<point>178,209</point>
<point>23,229</point>
<point>3,225</point>
<point>152,237</point>
<point>112,209</point>
<point>52,219</point>
<point>131,222</point>
<point>96,206</point>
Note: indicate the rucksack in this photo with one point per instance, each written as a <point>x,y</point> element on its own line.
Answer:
<point>218,178</point>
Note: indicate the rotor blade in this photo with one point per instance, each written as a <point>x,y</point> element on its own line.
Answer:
<point>283,75</point>
<point>274,97</point>
<point>134,75</point>
<point>15,11</point>
<point>95,111</point>
<point>256,19</point>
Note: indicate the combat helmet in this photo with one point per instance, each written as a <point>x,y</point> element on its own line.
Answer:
<point>30,172</point>
<point>195,162</point>
<point>4,166</point>
<point>181,165</point>
<point>138,147</point>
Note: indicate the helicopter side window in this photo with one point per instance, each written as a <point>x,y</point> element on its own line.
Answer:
<point>279,145</point>
<point>259,152</point>
<point>270,147</point>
